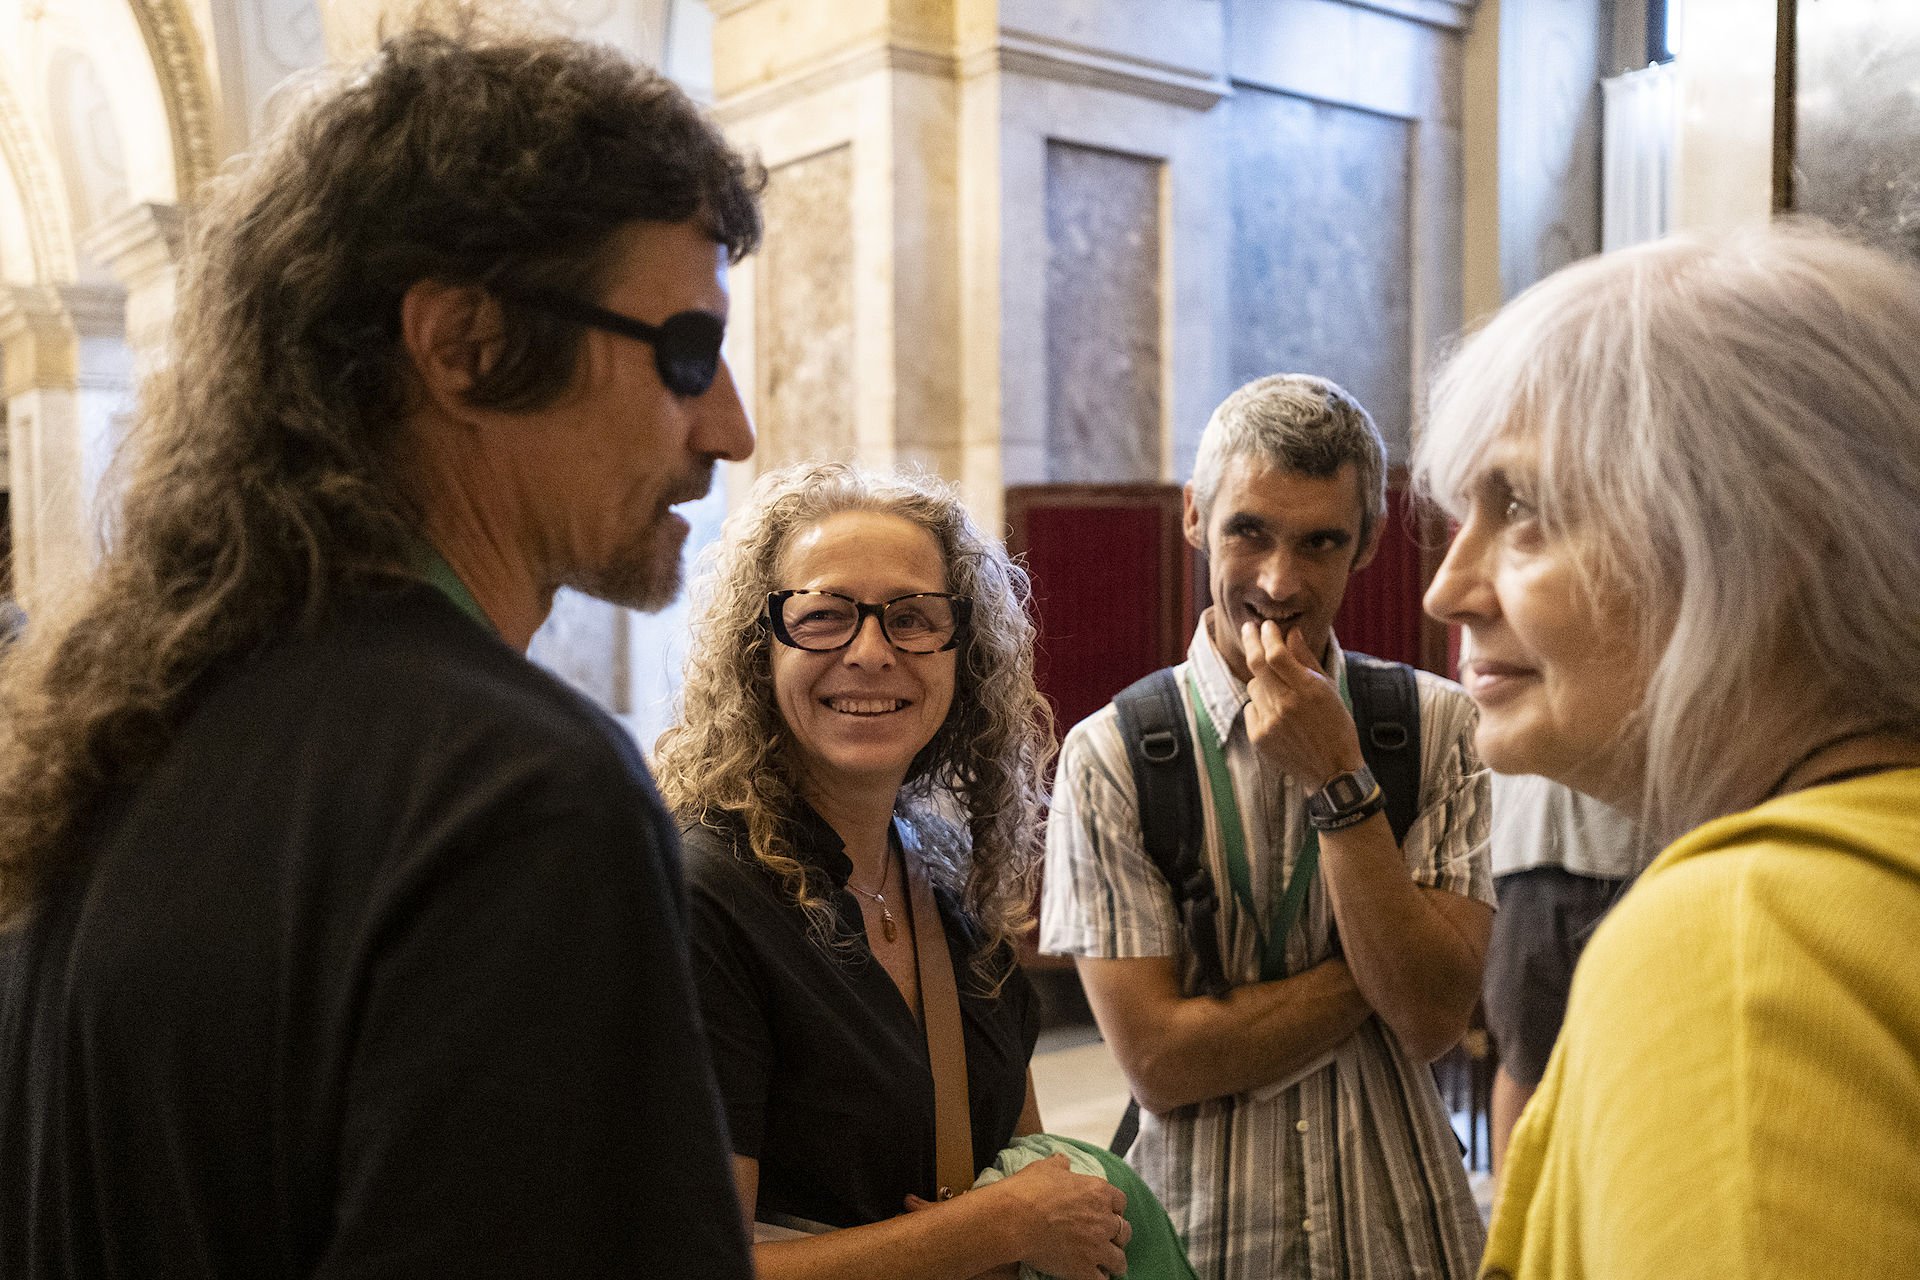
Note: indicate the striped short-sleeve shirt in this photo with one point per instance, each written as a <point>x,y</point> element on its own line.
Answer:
<point>1354,1171</point>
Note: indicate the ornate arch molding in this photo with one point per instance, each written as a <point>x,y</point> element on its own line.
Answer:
<point>178,64</point>
<point>46,208</point>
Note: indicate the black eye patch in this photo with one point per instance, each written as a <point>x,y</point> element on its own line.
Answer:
<point>686,351</point>
<point>686,345</point>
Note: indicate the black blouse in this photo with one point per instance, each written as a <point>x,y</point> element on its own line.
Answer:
<point>822,1065</point>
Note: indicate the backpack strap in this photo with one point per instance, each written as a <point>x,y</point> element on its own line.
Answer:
<point>1166,786</point>
<point>1386,711</point>
<point>1166,782</point>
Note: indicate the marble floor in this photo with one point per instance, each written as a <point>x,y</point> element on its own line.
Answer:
<point>1081,1088</point>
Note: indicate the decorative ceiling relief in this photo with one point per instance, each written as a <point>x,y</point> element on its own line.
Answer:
<point>48,230</point>
<point>177,63</point>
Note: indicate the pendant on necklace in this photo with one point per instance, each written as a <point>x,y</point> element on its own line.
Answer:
<point>886,923</point>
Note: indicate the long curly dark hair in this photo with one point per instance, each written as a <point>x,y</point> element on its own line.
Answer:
<point>259,480</point>
<point>973,796</point>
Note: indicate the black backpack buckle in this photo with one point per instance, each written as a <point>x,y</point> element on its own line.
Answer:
<point>1388,735</point>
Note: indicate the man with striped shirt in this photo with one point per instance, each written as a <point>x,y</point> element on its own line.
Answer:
<point>1291,1127</point>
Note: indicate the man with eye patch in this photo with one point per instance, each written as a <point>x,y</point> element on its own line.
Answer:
<point>341,940</point>
<point>1276,1001</point>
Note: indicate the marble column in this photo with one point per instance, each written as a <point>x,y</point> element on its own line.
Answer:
<point>1035,242</point>
<point>1857,119</point>
<point>140,245</point>
<point>969,264</point>
<point>1532,116</point>
<point>844,337</point>
<point>67,391</point>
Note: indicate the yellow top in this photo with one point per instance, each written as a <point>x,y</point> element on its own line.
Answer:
<point>1736,1092</point>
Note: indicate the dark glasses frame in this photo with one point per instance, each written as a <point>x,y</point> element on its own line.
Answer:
<point>686,345</point>
<point>776,601</point>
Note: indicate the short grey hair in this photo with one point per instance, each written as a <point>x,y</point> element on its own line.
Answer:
<point>1728,431</point>
<point>1295,422</point>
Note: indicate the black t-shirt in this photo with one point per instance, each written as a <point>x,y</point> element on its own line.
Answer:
<point>380,972</point>
<point>822,1064</point>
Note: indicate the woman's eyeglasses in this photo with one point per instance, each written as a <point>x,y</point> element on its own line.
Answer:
<point>822,621</point>
<point>686,345</point>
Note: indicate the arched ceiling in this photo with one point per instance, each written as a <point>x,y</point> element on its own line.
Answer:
<point>174,45</point>
<point>36,237</point>
<point>103,103</point>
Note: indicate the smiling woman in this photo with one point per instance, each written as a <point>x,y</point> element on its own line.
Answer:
<point>858,705</point>
<point>1687,478</point>
<point>860,765</point>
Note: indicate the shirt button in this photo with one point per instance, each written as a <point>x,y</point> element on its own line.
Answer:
<point>1307,1225</point>
<point>1301,1125</point>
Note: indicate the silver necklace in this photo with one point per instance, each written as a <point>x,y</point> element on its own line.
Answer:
<point>887,926</point>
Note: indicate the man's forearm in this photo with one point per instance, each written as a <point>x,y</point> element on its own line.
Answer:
<point>1188,1049</point>
<point>1414,958</point>
<point>1413,963</point>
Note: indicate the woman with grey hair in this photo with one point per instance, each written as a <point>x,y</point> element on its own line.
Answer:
<point>1687,478</point>
<point>860,725</point>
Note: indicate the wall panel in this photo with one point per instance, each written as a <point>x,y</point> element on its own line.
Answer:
<point>1322,250</point>
<point>1103,316</point>
<point>805,312</point>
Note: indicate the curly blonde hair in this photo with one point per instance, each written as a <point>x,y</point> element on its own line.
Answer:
<point>973,796</point>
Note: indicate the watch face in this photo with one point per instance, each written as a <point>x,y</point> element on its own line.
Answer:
<point>1345,791</point>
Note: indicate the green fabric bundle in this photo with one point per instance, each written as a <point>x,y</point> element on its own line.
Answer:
<point>1154,1252</point>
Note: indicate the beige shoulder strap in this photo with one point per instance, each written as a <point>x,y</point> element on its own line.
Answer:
<point>946,1049</point>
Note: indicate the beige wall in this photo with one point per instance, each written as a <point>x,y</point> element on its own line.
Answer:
<point>1724,151</point>
<point>1725,154</point>
<point>1480,290</point>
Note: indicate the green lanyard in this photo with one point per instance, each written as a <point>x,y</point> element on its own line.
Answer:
<point>1233,840</point>
<point>433,566</point>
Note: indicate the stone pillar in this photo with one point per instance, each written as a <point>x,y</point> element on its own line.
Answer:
<point>1552,56</point>
<point>1099,217</point>
<point>968,265</point>
<point>140,245</point>
<point>1035,242</point>
<point>67,384</point>
<point>845,325</point>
